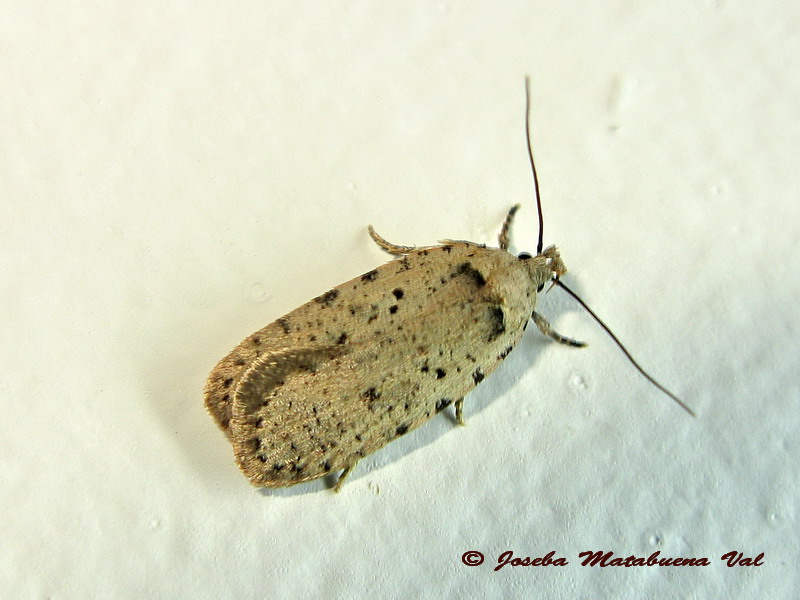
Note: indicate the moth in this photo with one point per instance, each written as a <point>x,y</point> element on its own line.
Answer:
<point>374,358</point>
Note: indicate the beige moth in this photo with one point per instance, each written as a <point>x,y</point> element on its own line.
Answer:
<point>374,358</point>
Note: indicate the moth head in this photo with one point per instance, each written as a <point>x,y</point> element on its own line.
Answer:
<point>544,267</point>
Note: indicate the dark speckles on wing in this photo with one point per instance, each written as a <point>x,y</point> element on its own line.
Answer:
<point>443,403</point>
<point>415,352</point>
<point>468,270</point>
<point>371,395</point>
<point>328,297</point>
<point>498,321</point>
<point>371,276</point>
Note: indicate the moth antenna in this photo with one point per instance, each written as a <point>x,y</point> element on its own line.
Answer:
<point>624,349</point>
<point>539,244</point>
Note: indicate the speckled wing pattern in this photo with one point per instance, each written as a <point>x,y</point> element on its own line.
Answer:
<point>369,360</point>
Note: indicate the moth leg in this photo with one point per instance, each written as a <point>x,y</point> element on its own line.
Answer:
<point>460,412</point>
<point>389,247</point>
<point>503,238</point>
<point>545,328</point>
<point>343,476</point>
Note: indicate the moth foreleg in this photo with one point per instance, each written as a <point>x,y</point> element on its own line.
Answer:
<point>504,236</point>
<point>388,246</point>
<point>547,330</point>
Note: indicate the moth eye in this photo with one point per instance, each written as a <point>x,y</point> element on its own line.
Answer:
<point>540,288</point>
<point>524,256</point>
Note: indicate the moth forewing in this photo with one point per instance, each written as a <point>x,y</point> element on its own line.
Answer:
<point>371,359</point>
